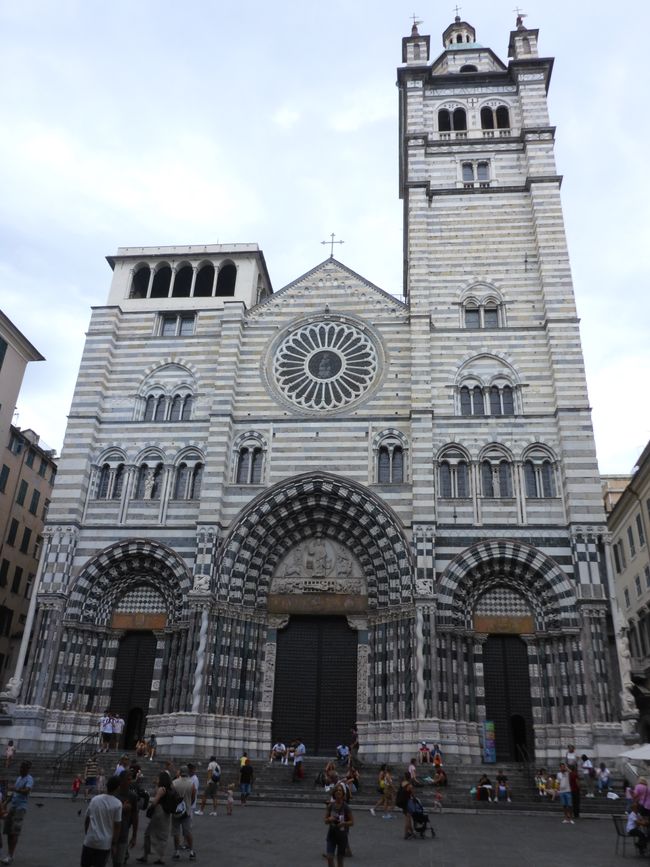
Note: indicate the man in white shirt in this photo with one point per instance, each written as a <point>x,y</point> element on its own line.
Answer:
<point>118,728</point>
<point>564,789</point>
<point>278,751</point>
<point>105,732</point>
<point>211,787</point>
<point>298,759</point>
<point>102,826</point>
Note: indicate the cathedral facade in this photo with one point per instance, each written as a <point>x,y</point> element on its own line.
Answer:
<point>282,514</point>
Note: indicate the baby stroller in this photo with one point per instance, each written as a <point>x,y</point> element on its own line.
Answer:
<point>421,820</point>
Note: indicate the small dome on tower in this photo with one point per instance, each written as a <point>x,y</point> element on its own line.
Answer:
<point>458,34</point>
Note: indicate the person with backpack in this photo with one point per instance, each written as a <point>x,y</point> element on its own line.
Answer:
<point>211,787</point>
<point>182,816</point>
<point>159,813</point>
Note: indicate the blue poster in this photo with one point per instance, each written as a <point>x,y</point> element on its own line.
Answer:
<point>489,743</point>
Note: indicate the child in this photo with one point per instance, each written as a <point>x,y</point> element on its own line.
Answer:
<point>229,799</point>
<point>101,782</point>
<point>76,787</point>
<point>10,752</point>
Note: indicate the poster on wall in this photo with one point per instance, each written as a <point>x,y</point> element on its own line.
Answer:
<point>489,742</point>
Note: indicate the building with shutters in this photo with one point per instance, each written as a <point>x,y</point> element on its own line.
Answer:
<point>281,514</point>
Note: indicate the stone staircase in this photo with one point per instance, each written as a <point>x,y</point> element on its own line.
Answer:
<point>273,784</point>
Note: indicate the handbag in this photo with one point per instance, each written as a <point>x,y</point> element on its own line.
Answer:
<point>149,811</point>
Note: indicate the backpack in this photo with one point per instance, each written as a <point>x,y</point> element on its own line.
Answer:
<point>401,798</point>
<point>216,774</point>
<point>170,801</point>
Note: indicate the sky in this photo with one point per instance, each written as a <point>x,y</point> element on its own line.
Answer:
<point>151,123</point>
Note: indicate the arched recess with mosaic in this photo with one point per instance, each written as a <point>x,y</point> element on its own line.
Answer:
<point>500,599</point>
<point>132,594</point>
<point>313,546</point>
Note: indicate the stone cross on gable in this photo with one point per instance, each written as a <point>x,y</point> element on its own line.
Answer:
<point>331,242</point>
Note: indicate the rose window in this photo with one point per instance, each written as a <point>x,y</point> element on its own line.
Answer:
<point>325,365</point>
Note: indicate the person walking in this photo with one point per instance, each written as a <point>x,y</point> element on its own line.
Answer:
<point>574,780</point>
<point>182,818</point>
<point>564,788</point>
<point>157,833</point>
<point>211,787</point>
<point>91,772</point>
<point>128,796</point>
<point>338,818</point>
<point>17,808</point>
<point>246,775</point>
<point>102,827</point>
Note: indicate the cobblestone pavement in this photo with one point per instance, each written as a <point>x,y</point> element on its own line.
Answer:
<point>294,837</point>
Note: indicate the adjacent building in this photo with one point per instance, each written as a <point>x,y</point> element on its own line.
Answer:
<point>281,514</point>
<point>629,525</point>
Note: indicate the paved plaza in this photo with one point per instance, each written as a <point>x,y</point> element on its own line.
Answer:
<point>258,836</point>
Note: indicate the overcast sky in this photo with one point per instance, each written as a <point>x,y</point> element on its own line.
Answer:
<point>147,123</point>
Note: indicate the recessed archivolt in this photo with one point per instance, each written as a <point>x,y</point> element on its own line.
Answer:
<point>123,567</point>
<point>486,367</point>
<point>511,564</point>
<point>315,505</point>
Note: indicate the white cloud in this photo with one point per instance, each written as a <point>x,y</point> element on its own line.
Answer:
<point>285,117</point>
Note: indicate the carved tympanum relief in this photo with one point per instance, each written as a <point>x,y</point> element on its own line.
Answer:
<point>318,565</point>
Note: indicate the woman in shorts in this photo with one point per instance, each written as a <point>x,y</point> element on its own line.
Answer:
<point>338,818</point>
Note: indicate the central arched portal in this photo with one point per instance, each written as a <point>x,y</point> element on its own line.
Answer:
<point>315,695</point>
<point>132,683</point>
<point>507,696</point>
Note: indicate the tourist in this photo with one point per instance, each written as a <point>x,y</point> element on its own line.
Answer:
<point>386,790</point>
<point>105,731</point>
<point>121,766</point>
<point>641,795</point>
<point>338,818</point>
<point>637,827</point>
<point>157,832</point>
<point>412,772</point>
<point>197,785</point>
<point>76,787</point>
<point>182,818</point>
<point>91,773</point>
<point>278,753</point>
<point>128,797</point>
<point>17,808</point>
<point>118,728</point>
<point>352,780</point>
<point>541,782</point>
<point>588,771</point>
<point>402,796</point>
<point>141,747</point>
<point>10,752</point>
<point>484,789</point>
<point>298,761</point>
<point>243,759</point>
<point>330,775</point>
<point>564,789</point>
<point>503,789</point>
<point>570,757</point>
<point>152,746</point>
<point>343,754</point>
<point>246,775</point>
<point>102,827</point>
<point>211,787</point>
<point>602,778</point>
<point>440,777</point>
<point>230,799</point>
<point>436,756</point>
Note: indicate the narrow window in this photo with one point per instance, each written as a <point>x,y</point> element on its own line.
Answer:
<point>256,471</point>
<point>183,282</point>
<point>445,480</point>
<point>161,405</point>
<point>503,117</point>
<point>175,411</point>
<point>495,401</point>
<point>4,478</point>
<point>487,118</point>
<point>182,477</point>
<point>18,577</point>
<point>462,479</point>
<point>33,506</point>
<point>472,317</point>
<point>29,460</point>
<point>187,408</point>
<point>460,119</point>
<point>104,482</point>
<point>186,325</point>
<point>24,544</point>
<point>468,173</point>
<point>640,531</point>
<point>4,571</point>
<point>478,405</point>
<point>548,482</point>
<point>637,587</point>
<point>505,480</point>
<point>243,466</point>
<point>149,408</point>
<point>397,475</point>
<point>621,550</point>
<point>626,594</point>
<point>459,38</point>
<point>486,479</point>
<point>204,282</point>
<point>118,482</point>
<point>465,401</point>
<point>491,317</point>
<point>13,531</point>
<point>530,480</point>
<point>195,484</point>
<point>483,172</point>
<point>226,280</point>
<point>444,120</point>
<point>646,572</point>
<point>169,323</point>
<point>630,538</point>
<point>508,400</point>
<point>383,468</point>
<point>617,561</point>
<point>161,282</point>
<point>42,470</point>
<point>22,492</point>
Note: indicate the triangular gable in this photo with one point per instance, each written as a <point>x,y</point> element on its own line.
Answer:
<point>322,275</point>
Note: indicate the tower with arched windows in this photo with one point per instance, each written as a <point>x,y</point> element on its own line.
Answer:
<point>322,507</point>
